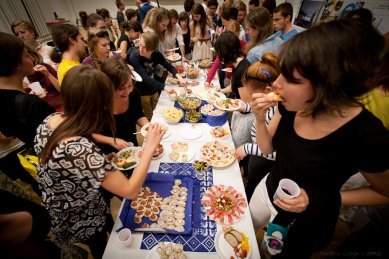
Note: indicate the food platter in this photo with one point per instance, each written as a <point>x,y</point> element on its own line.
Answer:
<point>163,205</point>
<point>181,152</point>
<point>174,57</point>
<point>217,154</point>
<point>164,127</point>
<point>226,250</point>
<point>153,253</point>
<point>227,104</point>
<point>224,204</point>
<point>128,157</point>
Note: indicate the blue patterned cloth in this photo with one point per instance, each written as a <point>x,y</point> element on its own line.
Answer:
<point>203,229</point>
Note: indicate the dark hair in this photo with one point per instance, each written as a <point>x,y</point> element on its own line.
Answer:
<point>183,16</point>
<point>27,25</point>
<point>269,5</point>
<point>83,17</point>
<point>11,51</point>
<point>130,13</point>
<point>285,9</point>
<point>382,77</point>
<point>117,71</point>
<point>188,5</point>
<point>213,3</point>
<point>353,49</point>
<point>61,34</point>
<point>199,9</point>
<point>76,88</point>
<point>230,13</point>
<point>104,13</point>
<point>254,2</point>
<point>259,19</point>
<point>128,26</point>
<point>362,15</point>
<point>92,19</point>
<point>118,3</point>
<point>173,14</point>
<point>227,47</point>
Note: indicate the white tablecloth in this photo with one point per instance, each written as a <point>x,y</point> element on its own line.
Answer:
<point>229,176</point>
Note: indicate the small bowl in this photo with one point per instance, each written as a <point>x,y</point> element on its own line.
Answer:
<point>172,115</point>
<point>193,116</point>
<point>192,73</point>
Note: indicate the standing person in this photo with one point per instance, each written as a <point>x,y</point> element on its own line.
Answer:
<point>199,34</point>
<point>84,26</point>
<point>253,4</point>
<point>127,108</point>
<point>28,33</point>
<point>47,77</point>
<point>282,20</point>
<point>99,50</point>
<point>20,113</point>
<point>183,20</point>
<point>158,24</point>
<point>258,78</point>
<point>69,48</point>
<point>260,30</point>
<point>205,5</point>
<point>315,116</point>
<point>174,36</point>
<point>212,7</point>
<point>269,5</point>
<point>64,141</point>
<point>131,31</point>
<point>120,15</point>
<point>149,63</point>
<point>132,15</point>
<point>242,12</point>
<point>188,7</point>
<point>112,32</point>
<point>144,9</point>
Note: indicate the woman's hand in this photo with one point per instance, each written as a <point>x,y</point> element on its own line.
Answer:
<point>153,136</point>
<point>242,107</point>
<point>120,143</point>
<point>239,153</point>
<point>297,205</point>
<point>260,102</point>
<point>181,80</point>
<point>169,90</point>
<point>41,69</point>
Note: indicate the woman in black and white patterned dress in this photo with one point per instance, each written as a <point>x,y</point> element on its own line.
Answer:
<point>72,168</point>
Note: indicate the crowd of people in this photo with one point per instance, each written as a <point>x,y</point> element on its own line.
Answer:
<point>331,125</point>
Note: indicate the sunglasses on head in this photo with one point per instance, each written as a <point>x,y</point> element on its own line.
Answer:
<point>265,72</point>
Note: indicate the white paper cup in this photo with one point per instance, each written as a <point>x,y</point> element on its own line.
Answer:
<point>287,189</point>
<point>37,88</point>
<point>125,237</point>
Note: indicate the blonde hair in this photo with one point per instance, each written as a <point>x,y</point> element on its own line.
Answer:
<point>148,18</point>
<point>151,41</point>
<point>263,72</point>
<point>234,26</point>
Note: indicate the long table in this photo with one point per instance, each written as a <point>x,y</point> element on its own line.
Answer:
<point>229,176</point>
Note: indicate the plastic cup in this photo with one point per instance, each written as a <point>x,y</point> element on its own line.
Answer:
<point>287,189</point>
<point>125,237</point>
<point>37,88</point>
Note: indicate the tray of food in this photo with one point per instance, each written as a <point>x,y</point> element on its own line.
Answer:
<point>217,154</point>
<point>164,205</point>
<point>205,63</point>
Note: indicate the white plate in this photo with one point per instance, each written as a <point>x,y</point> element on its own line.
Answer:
<point>221,96</point>
<point>229,109</point>
<point>224,137</point>
<point>224,249</point>
<point>143,130</point>
<point>190,153</point>
<point>191,131</point>
<point>171,58</point>
<point>136,76</point>
<point>121,151</point>
<point>213,49</point>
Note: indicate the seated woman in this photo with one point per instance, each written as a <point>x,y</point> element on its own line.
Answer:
<point>150,65</point>
<point>98,45</point>
<point>72,191</point>
<point>127,108</point>
<point>130,32</point>
<point>47,77</point>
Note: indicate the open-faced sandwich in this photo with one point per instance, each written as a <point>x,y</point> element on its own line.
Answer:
<point>275,96</point>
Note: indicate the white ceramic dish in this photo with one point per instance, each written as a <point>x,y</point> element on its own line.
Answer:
<point>136,76</point>
<point>143,130</point>
<point>122,151</point>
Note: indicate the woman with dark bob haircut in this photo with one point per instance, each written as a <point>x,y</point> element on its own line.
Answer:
<point>73,169</point>
<point>322,136</point>
<point>228,49</point>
